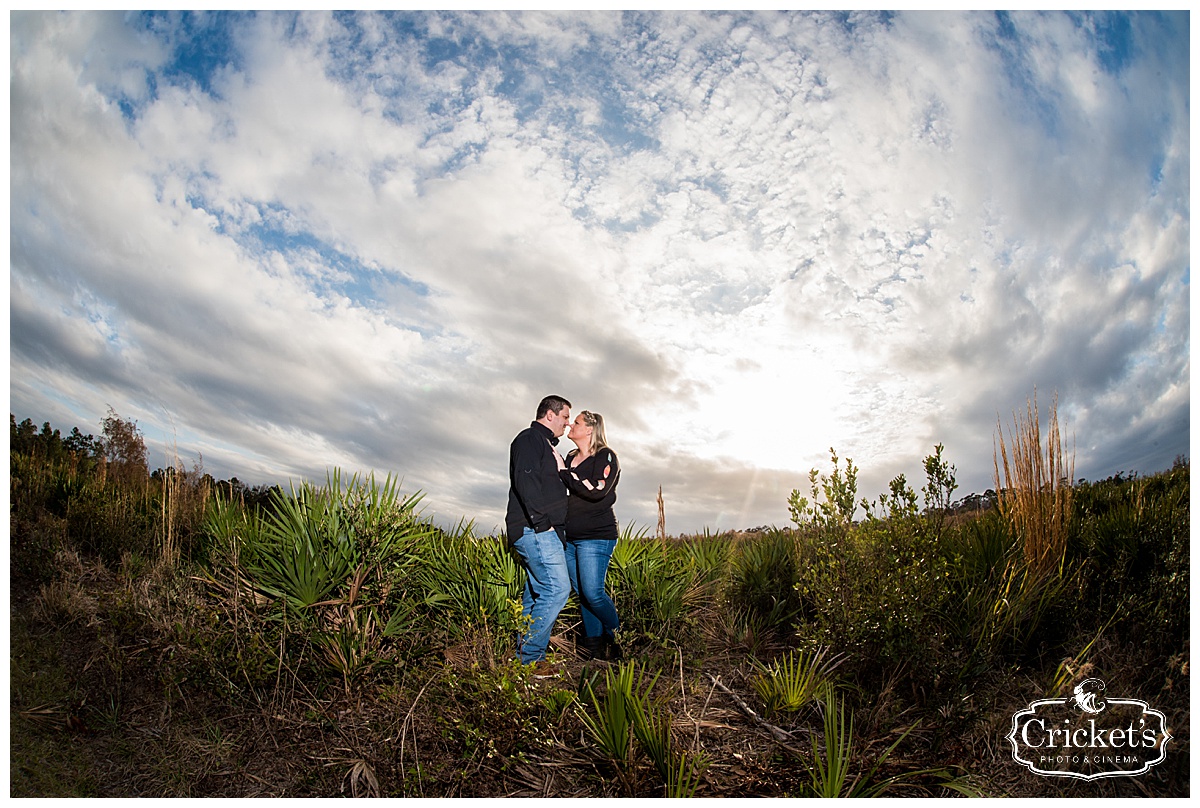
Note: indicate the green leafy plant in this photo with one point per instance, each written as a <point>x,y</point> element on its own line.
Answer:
<point>997,606</point>
<point>386,526</point>
<point>310,542</point>
<point>748,630</point>
<point>794,680</point>
<point>941,483</point>
<point>707,556</point>
<point>899,505</point>
<point>611,721</point>
<point>684,775</point>
<point>835,497</point>
<point>651,583</point>
<point>833,772</point>
<point>470,582</point>
<point>762,579</point>
<point>304,550</point>
<point>626,712</point>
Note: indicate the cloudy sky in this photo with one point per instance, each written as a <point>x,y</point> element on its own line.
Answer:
<point>284,243</point>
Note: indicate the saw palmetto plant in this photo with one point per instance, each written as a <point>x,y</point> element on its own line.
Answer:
<point>469,582</point>
<point>305,549</point>
<point>627,713</point>
<point>794,680</point>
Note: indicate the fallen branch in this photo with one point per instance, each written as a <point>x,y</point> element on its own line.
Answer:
<point>781,736</point>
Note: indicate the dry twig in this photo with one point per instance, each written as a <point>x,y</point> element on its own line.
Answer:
<point>781,736</point>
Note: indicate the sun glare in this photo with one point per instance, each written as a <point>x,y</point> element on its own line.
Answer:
<point>781,415</point>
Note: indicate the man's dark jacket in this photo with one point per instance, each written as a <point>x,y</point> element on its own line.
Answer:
<point>537,497</point>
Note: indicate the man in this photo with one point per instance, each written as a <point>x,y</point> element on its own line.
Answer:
<point>536,522</point>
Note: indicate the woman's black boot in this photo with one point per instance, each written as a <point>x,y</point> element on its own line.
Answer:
<point>590,647</point>
<point>612,651</point>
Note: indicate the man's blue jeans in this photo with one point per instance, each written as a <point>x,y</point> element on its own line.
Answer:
<point>547,587</point>
<point>587,564</point>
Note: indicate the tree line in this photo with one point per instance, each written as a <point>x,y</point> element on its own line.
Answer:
<point>119,455</point>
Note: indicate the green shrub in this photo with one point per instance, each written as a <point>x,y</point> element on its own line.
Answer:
<point>467,583</point>
<point>652,585</point>
<point>876,592</point>
<point>762,580</point>
<point>1131,538</point>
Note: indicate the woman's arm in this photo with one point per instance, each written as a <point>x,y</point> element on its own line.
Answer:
<point>597,481</point>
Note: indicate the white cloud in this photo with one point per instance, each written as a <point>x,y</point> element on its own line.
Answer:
<point>376,241</point>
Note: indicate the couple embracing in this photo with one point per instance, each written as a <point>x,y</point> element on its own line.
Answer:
<point>562,527</point>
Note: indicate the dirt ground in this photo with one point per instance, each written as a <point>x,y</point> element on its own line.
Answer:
<point>102,709</point>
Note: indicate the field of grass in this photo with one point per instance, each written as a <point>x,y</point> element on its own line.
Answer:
<point>170,640</point>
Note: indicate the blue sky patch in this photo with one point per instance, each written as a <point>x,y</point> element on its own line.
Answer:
<point>202,43</point>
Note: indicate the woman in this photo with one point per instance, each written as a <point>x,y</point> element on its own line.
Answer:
<point>591,473</point>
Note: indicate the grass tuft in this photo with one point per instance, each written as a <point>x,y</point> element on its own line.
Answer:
<point>1035,492</point>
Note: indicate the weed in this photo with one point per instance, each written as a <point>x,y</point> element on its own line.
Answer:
<point>627,712</point>
<point>762,580</point>
<point>834,771</point>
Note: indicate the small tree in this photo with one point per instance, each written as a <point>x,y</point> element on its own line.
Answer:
<point>940,486</point>
<point>124,450</point>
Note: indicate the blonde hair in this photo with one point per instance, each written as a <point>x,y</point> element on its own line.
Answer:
<point>596,421</point>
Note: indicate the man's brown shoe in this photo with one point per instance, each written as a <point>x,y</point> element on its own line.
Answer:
<point>545,669</point>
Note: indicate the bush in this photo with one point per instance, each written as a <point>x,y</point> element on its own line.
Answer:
<point>1131,540</point>
<point>877,593</point>
<point>653,585</point>
<point>763,576</point>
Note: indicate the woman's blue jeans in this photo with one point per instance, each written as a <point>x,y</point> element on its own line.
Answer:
<point>547,588</point>
<point>587,565</point>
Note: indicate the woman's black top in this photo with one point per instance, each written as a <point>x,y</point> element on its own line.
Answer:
<point>590,510</point>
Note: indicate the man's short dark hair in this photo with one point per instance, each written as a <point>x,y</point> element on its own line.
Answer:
<point>555,403</point>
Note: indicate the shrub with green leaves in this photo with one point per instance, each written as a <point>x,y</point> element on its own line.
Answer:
<point>834,498</point>
<point>762,579</point>
<point>339,560</point>
<point>652,584</point>
<point>794,680</point>
<point>1131,538</point>
<point>876,592</point>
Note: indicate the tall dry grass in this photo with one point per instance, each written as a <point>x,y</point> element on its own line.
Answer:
<point>183,505</point>
<point>1035,494</point>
